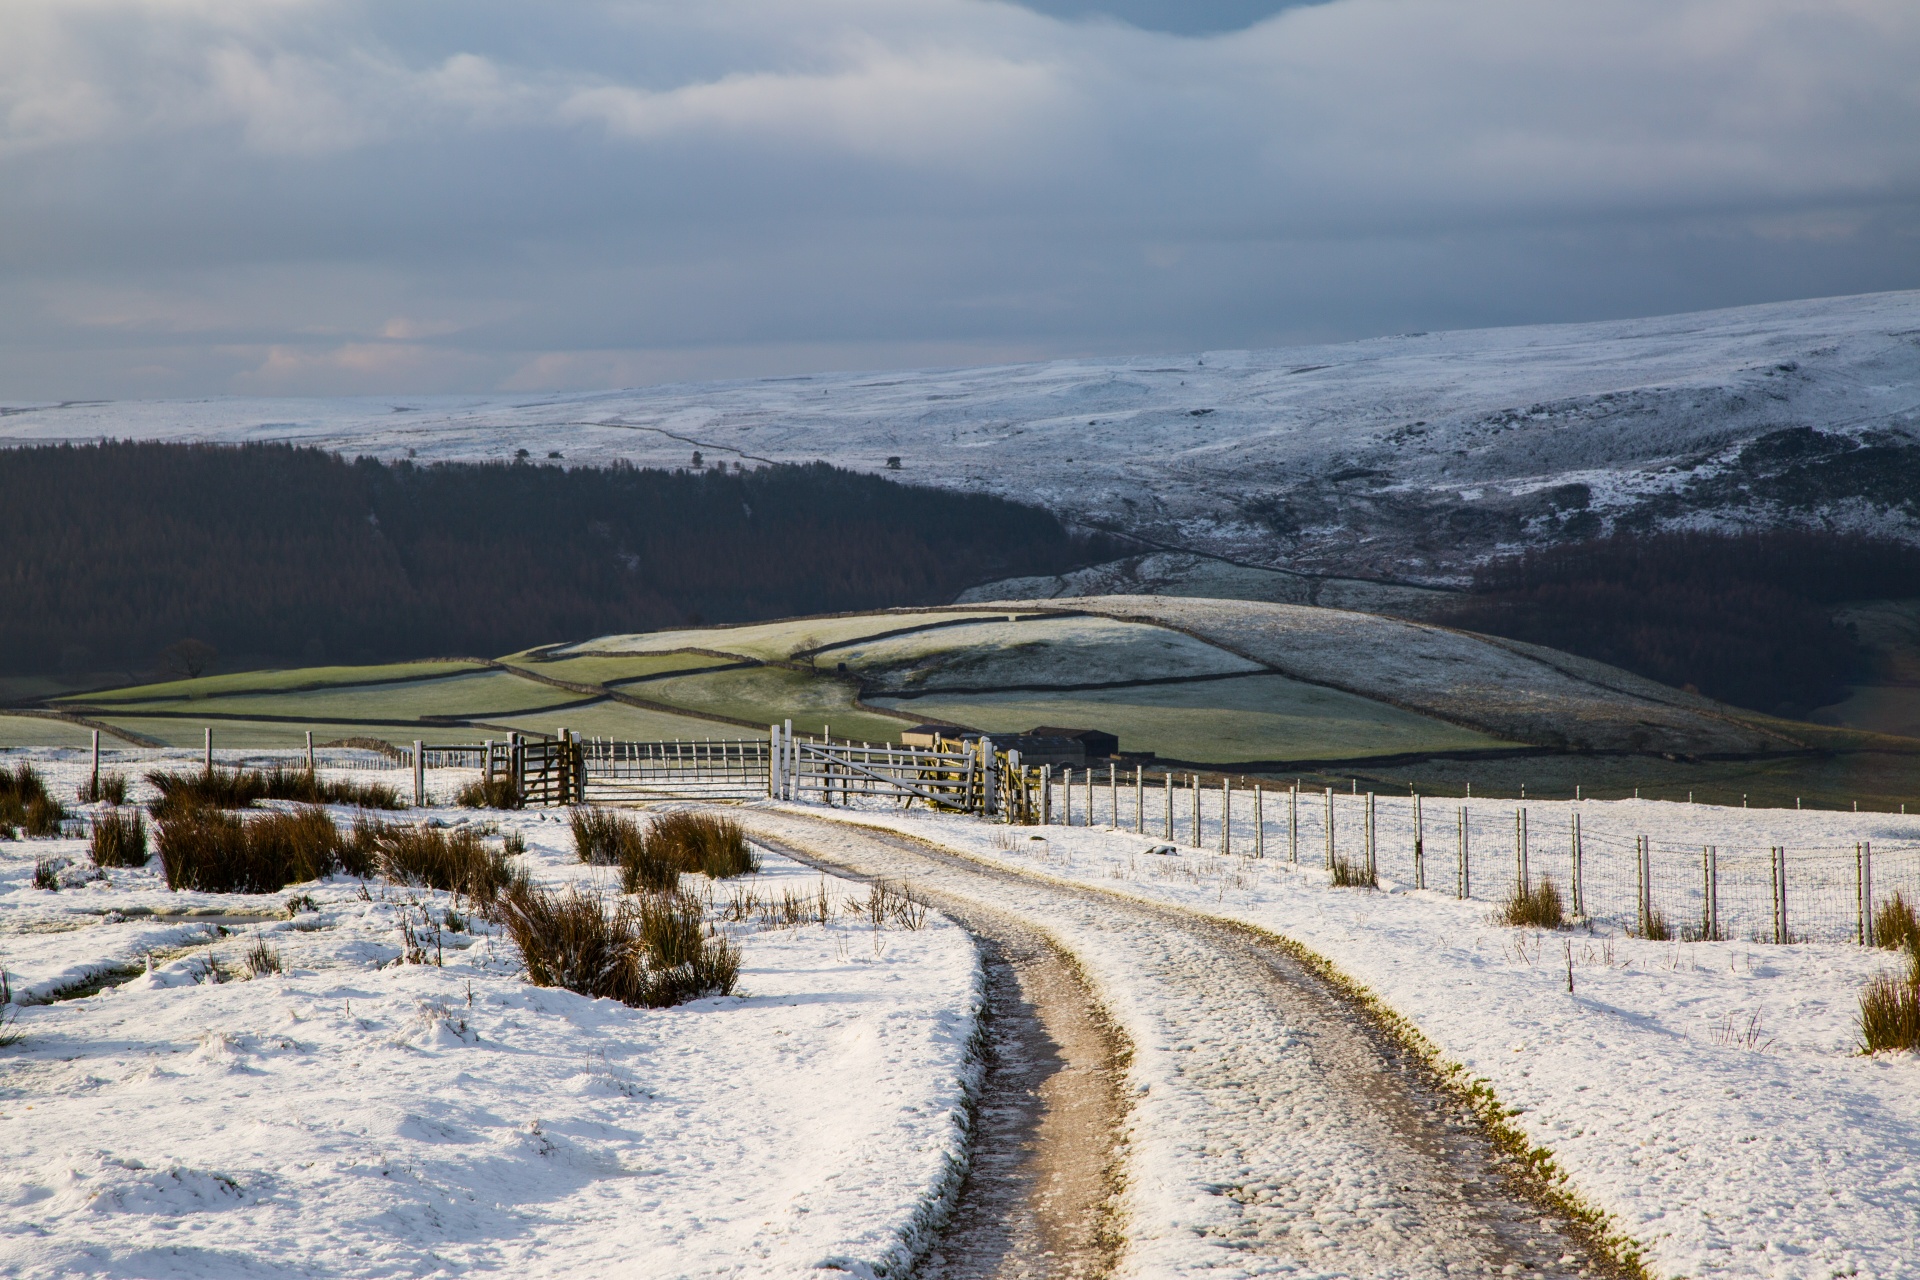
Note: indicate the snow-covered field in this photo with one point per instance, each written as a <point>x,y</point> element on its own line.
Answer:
<point>1403,456</point>
<point>1709,1096</point>
<point>359,1116</point>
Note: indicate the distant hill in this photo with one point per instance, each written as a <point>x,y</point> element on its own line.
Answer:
<point>1411,458</point>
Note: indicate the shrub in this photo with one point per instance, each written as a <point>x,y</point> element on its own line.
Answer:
<point>1890,1008</point>
<point>705,842</point>
<point>456,862</point>
<point>120,839</point>
<point>648,952</point>
<point>46,873</point>
<point>217,852</point>
<point>483,793</point>
<point>110,787</point>
<point>1894,925</point>
<point>1535,907</point>
<point>1353,875</point>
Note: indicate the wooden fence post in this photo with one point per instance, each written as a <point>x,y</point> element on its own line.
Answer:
<point>1168,775</point>
<point>95,790</point>
<point>1643,863</point>
<point>1194,786</point>
<point>1226,817</point>
<point>209,761</point>
<point>1419,844</point>
<point>1373,864</point>
<point>1780,931</point>
<point>1329,828</point>
<point>1259,824</point>
<point>1464,878</point>
<point>1293,825</point>
<point>419,776</point>
<point>310,761</point>
<point>1139,800</point>
<point>1579,884</point>
<point>1713,892</point>
<point>1113,796</point>
<point>1863,885</point>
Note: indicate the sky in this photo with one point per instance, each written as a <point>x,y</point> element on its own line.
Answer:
<point>376,196</point>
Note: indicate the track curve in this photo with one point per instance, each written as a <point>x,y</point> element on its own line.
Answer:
<point>1274,1129</point>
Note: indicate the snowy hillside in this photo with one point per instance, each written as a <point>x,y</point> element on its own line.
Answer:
<point>1402,457</point>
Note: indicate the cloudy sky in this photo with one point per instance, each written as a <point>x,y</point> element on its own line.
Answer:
<point>338,196</point>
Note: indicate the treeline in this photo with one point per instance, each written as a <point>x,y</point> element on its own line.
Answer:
<point>113,553</point>
<point>1745,618</point>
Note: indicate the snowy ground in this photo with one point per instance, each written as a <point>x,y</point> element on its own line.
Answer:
<point>358,1116</point>
<point>1403,457</point>
<point>1709,1096</point>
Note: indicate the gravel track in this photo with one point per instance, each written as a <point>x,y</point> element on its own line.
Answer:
<point>1272,1128</point>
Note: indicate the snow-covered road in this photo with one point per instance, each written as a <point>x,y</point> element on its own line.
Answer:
<point>1272,1130</point>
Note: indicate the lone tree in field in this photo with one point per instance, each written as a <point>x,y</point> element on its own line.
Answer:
<point>188,659</point>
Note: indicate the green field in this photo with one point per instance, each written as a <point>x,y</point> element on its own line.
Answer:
<point>38,731</point>
<point>612,720</point>
<point>262,734</point>
<point>768,641</point>
<point>618,669</point>
<point>1217,722</point>
<point>767,695</point>
<point>275,681</point>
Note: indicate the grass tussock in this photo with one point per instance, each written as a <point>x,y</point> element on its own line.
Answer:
<point>108,787</point>
<point>1535,907</point>
<point>1653,928</point>
<point>499,793</point>
<point>600,836</point>
<point>46,873</point>
<point>1890,1008</point>
<point>215,851</point>
<point>26,806</point>
<point>649,952</point>
<point>1353,875</point>
<point>261,959</point>
<point>120,839</point>
<point>456,861</point>
<point>9,1034</point>
<point>1894,924</point>
<point>709,843</point>
<point>243,788</point>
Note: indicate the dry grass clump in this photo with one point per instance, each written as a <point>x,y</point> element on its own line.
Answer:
<point>600,836</point>
<point>218,852</point>
<point>709,843</point>
<point>120,839</point>
<point>46,873</point>
<point>1353,875</point>
<point>495,793</point>
<point>1894,925</point>
<point>648,952</point>
<point>455,861</point>
<point>1653,927</point>
<point>26,805</point>
<point>1890,1007</point>
<point>261,960</point>
<point>110,787</point>
<point>1534,907</point>
<point>242,788</point>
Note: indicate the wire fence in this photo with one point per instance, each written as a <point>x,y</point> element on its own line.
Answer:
<point>1607,868</point>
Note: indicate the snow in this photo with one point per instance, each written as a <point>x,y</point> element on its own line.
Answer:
<point>1402,457</point>
<point>359,1116</point>
<point>1708,1096</point>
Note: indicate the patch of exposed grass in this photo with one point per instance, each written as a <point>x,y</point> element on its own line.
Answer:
<point>242,788</point>
<point>709,843</point>
<point>649,952</point>
<point>1353,875</point>
<point>495,793</point>
<point>599,835</point>
<point>9,1034</point>
<point>215,851</point>
<point>1653,927</point>
<point>1894,924</point>
<point>46,873</point>
<point>26,804</point>
<point>110,787</point>
<point>1890,1008</point>
<point>119,839</point>
<point>261,959</point>
<point>454,861</point>
<point>1535,907</point>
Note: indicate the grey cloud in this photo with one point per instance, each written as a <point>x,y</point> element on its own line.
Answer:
<point>327,196</point>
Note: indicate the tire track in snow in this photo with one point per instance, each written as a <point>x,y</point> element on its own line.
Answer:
<point>1274,1129</point>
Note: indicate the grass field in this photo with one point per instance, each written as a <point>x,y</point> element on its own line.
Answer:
<point>259,733</point>
<point>240,682</point>
<point>768,640</point>
<point>1218,722</point>
<point>613,720</point>
<point>38,731</point>
<point>767,695</point>
<point>1033,650</point>
<point>472,693</point>
<point>617,670</point>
